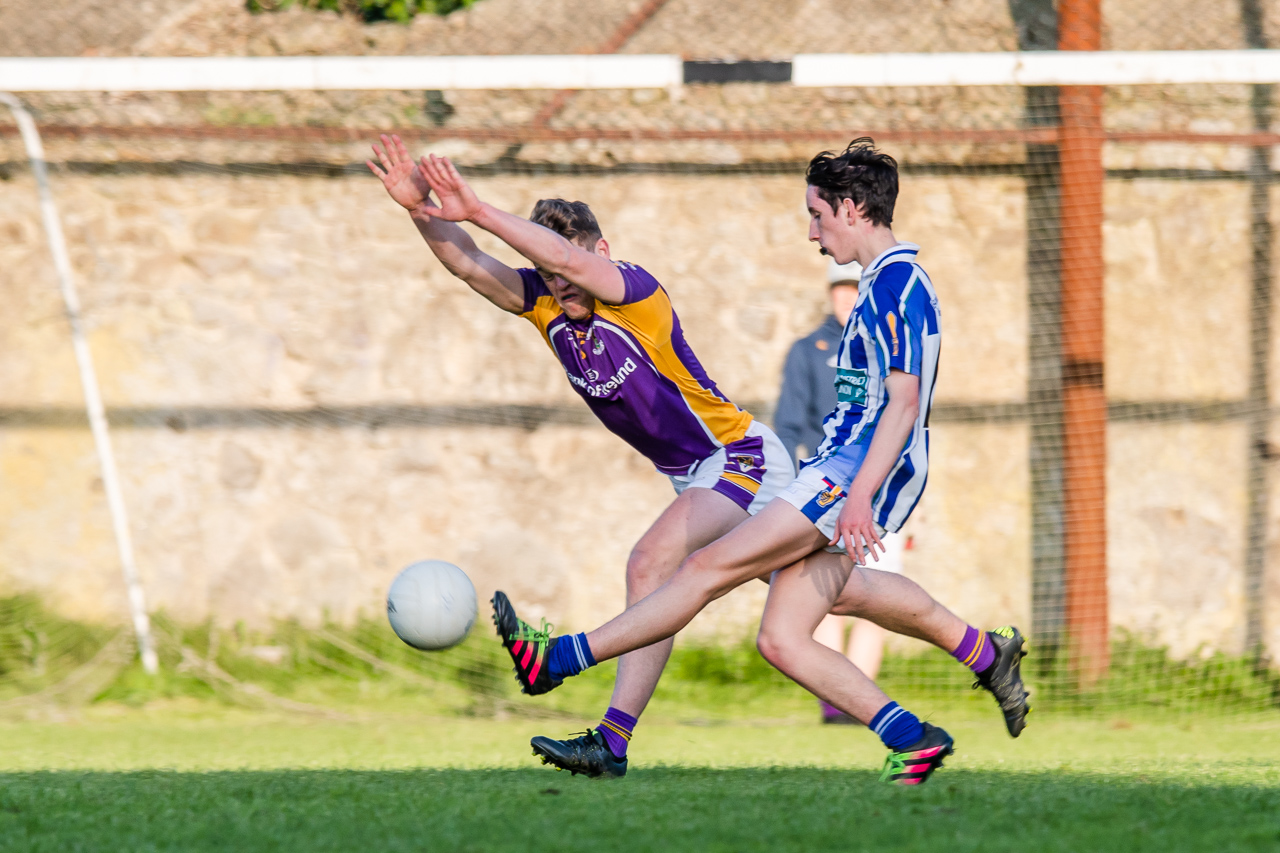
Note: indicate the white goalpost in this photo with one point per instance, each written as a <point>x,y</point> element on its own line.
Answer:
<point>89,382</point>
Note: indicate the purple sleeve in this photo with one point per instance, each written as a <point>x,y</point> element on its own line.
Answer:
<point>534,287</point>
<point>639,284</point>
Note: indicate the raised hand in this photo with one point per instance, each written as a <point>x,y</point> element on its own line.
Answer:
<point>399,173</point>
<point>457,200</point>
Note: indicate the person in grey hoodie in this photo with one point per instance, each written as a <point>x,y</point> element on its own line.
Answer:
<point>808,394</point>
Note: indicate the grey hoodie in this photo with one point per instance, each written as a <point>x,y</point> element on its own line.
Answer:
<point>808,388</point>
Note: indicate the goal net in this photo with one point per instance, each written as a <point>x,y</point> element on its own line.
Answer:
<point>302,400</point>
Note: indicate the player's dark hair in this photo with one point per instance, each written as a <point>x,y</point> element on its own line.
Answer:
<point>572,220</point>
<point>860,173</point>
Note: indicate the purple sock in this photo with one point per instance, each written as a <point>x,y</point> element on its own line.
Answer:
<point>616,728</point>
<point>830,711</point>
<point>975,650</point>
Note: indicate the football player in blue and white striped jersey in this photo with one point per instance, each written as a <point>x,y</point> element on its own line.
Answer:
<point>864,480</point>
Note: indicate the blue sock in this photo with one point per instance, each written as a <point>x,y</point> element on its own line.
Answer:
<point>897,727</point>
<point>570,656</point>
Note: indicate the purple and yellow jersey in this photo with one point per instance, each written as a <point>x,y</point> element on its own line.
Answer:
<point>632,365</point>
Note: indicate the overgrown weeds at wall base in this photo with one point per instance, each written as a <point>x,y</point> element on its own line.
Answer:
<point>1142,676</point>
<point>728,663</point>
<point>400,11</point>
<point>38,648</point>
<point>297,668</point>
<point>326,666</point>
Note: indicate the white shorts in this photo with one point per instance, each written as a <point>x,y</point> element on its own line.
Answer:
<point>750,471</point>
<point>820,500</point>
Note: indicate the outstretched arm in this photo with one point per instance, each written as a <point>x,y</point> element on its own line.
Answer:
<point>486,275</point>
<point>546,249</point>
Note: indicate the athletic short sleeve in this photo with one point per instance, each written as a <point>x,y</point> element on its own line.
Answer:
<point>534,287</point>
<point>897,330</point>
<point>639,284</point>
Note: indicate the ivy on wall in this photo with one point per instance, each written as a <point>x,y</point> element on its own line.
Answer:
<point>370,10</point>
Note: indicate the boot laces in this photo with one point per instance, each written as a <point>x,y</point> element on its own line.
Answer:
<point>583,741</point>
<point>529,634</point>
<point>894,763</point>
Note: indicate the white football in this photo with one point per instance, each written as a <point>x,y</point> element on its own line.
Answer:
<point>431,605</point>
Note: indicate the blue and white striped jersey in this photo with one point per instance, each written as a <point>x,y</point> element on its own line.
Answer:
<point>894,325</point>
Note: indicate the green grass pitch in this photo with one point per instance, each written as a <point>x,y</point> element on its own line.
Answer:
<point>187,776</point>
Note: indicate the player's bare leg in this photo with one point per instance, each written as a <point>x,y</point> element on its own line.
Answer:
<point>865,649</point>
<point>695,518</point>
<point>799,597</point>
<point>897,604</point>
<point>775,538</point>
<point>830,632</point>
<point>902,606</point>
<point>778,536</point>
<point>865,639</point>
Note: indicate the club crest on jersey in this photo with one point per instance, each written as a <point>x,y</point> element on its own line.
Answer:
<point>597,347</point>
<point>745,462</point>
<point>830,494</point>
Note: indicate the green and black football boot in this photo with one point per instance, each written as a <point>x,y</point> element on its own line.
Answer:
<point>528,647</point>
<point>915,764</point>
<point>587,754</point>
<point>1004,677</point>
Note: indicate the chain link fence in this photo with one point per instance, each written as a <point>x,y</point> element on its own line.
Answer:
<point>276,346</point>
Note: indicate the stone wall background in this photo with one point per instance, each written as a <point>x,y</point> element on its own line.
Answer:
<point>219,302</point>
<point>230,294</point>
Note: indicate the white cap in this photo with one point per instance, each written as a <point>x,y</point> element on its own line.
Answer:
<point>837,273</point>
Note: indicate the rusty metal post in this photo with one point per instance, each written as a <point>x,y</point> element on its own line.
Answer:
<point>1261,239</point>
<point>1084,402</point>
<point>1036,22</point>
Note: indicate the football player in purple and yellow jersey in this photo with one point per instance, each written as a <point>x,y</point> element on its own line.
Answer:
<point>612,326</point>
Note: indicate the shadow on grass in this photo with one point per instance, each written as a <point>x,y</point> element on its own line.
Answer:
<point>654,809</point>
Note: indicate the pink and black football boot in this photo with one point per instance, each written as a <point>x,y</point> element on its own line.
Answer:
<point>529,648</point>
<point>915,764</point>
